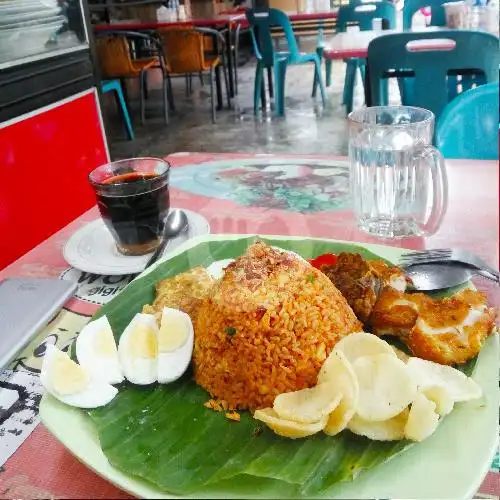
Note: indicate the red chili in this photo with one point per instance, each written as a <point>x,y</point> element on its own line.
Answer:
<point>327,259</point>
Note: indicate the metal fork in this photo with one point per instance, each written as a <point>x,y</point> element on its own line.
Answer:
<point>448,255</point>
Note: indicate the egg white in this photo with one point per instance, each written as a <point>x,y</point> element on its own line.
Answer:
<point>97,353</point>
<point>95,393</point>
<point>172,364</point>
<point>139,367</point>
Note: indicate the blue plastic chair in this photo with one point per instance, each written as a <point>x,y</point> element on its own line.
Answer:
<point>468,126</point>
<point>351,14</point>
<point>430,69</point>
<point>438,17</point>
<point>116,86</point>
<point>268,57</point>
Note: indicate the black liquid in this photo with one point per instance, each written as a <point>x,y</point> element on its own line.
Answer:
<point>136,216</point>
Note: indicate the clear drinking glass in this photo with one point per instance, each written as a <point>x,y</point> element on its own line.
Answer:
<point>398,180</point>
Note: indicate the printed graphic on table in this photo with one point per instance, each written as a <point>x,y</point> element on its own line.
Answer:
<point>95,288</point>
<point>270,183</point>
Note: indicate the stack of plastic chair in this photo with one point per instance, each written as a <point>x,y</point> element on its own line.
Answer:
<point>268,57</point>
<point>468,126</point>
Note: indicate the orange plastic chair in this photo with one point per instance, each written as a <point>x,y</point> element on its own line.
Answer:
<point>184,54</point>
<point>115,60</point>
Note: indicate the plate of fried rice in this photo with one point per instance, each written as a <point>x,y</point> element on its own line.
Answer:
<point>275,332</point>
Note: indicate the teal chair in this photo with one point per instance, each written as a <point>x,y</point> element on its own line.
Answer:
<point>116,87</point>
<point>268,57</point>
<point>354,14</point>
<point>468,126</point>
<point>427,71</point>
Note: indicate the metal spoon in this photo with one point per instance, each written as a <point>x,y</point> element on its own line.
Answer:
<point>438,276</point>
<point>175,224</point>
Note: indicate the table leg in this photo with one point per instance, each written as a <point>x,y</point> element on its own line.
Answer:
<point>229,60</point>
<point>218,87</point>
<point>368,94</point>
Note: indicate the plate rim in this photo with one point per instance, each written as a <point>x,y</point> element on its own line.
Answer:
<point>139,487</point>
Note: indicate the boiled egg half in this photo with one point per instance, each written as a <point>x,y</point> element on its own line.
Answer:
<point>175,345</point>
<point>70,383</point>
<point>97,353</point>
<point>138,350</point>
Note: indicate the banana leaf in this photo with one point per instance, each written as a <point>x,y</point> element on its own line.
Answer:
<point>164,434</point>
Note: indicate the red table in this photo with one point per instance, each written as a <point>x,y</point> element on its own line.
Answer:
<point>42,468</point>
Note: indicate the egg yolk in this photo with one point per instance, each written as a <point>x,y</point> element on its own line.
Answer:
<point>66,376</point>
<point>104,343</point>
<point>173,333</point>
<point>143,342</point>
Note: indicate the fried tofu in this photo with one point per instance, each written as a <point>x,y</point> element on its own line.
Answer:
<point>452,330</point>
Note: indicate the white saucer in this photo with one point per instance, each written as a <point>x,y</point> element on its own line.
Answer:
<point>92,248</point>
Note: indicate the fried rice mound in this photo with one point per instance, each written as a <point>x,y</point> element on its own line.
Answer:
<point>266,328</point>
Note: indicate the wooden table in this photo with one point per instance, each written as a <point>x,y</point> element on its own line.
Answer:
<point>261,194</point>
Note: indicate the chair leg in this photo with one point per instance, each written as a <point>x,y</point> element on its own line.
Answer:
<point>186,84</point>
<point>319,52</point>
<point>279,80</point>
<point>270,82</point>
<point>165,98</point>
<point>141,91</point>
<point>226,83</point>
<point>218,87</point>
<point>146,90</point>
<point>212,100</point>
<point>200,74</point>
<point>350,78</point>
<point>124,111</point>
<point>170,93</point>
<point>318,79</point>
<point>328,71</point>
<point>258,89</point>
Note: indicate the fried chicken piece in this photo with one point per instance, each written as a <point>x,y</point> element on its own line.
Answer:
<point>395,313</point>
<point>186,292</point>
<point>452,330</point>
<point>360,281</point>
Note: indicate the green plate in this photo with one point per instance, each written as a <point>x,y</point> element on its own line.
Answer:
<point>450,464</point>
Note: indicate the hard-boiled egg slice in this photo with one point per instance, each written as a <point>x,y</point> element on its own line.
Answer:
<point>70,383</point>
<point>458,386</point>
<point>307,405</point>
<point>138,350</point>
<point>422,420</point>
<point>359,344</point>
<point>386,386</point>
<point>288,428</point>
<point>338,372</point>
<point>385,430</point>
<point>217,268</point>
<point>97,353</point>
<point>175,345</point>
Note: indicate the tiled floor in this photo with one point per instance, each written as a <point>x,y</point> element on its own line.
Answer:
<point>308,128</point>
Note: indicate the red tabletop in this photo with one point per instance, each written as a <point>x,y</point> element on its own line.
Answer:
<point>42,468</point>
<point>355,43</point>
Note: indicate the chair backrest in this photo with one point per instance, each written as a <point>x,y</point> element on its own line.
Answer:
<point>363,14</point>
<point>468,126</point>
<point>114,57</point>
<point>438,16</point>
<point>261,23</point>
<point>430,64</point>
<point>183,49</point>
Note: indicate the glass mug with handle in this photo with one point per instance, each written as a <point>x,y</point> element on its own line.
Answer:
<point>398,180</point>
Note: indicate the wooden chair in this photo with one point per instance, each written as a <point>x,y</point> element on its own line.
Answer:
<point>184,54</point>
<point>116,62</point>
